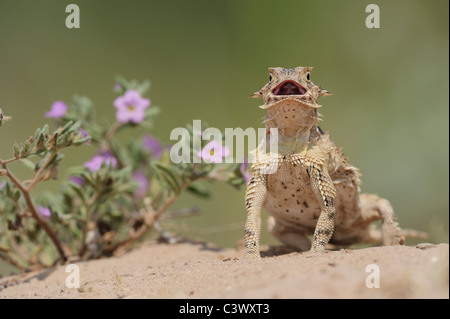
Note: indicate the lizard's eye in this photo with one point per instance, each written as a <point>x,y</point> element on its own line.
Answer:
<point>307,76</point>
<point>270,77</point>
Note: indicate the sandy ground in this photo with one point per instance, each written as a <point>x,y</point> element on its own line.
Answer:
<point>198,270</point>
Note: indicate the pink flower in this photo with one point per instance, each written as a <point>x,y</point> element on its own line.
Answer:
<point>213,152</point>
<point>57,110</point>
<point>153,145</point>
<point>143,183</point>
<point>117,87</point>
<point>131,107</point>
<point>77,180</point>
<point>85,134</point>
<point>96,162</point>
<point>44,212</point>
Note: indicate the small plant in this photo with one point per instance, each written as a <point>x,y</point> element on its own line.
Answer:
<point>111,200</point>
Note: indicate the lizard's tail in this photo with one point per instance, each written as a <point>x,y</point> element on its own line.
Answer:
<point>414,234</point>
<point>376,235</point>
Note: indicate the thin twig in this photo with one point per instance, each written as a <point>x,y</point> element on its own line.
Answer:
<point>146,227</point>
<point>106,145</point>
<point>87,219</point>
<point>112,130</point>
<point>8,161</point>
<point>6,256</point>
<point>13,245</point>
<point>34,213</point>
<point>38,174</point>
<point>34,151</point>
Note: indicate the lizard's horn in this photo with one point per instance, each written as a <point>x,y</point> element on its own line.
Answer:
<point>256,95</point>
<point>324,93</point>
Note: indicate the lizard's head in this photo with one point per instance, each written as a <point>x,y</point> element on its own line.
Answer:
<point>290,84</point>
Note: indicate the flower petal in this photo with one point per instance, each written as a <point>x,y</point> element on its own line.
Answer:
<point>136,116</point>
<point>95,163</point>
<point>44,212</point>
<point>153,145</point>
<point>57,110</point>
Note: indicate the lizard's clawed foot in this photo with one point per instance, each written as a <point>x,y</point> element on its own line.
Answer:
<point>252,255</point>
<point>315,252</point>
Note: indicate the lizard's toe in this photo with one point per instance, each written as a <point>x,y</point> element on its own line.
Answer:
<point>395,240</point>
<point>252,255</point>
<point>315,252</point>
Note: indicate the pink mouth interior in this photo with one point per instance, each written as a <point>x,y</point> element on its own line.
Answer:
<point>289,88</point>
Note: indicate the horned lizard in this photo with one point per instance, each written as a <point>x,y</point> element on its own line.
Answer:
<point>312,190</point>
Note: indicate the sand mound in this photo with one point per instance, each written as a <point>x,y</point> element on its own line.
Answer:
<point>197,270</point>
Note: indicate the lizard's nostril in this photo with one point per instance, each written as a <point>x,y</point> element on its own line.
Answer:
<point>289,88</point>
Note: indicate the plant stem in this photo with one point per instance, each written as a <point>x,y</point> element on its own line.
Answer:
<point>20,256</point>
<point>34,151</point>
<point>112,130</point>
<point>10,160</point>
<point>145,227</point>
<point>38,174</point>
<point>87,219</point>
<point>6,256</point>
<point>34,213</point>
<point>107,142</point>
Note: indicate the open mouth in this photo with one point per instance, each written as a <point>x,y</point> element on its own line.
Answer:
<point>289,88</point>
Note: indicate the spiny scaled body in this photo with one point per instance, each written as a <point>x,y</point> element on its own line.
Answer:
<point>311,189</point>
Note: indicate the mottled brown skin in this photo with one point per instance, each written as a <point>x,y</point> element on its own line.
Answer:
<point>312,189</point>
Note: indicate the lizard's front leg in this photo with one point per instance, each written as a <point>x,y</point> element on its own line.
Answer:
<point>325,193</point>
<point>254,200</point>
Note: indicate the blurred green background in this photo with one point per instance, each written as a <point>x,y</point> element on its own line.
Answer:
<point>204,58</point>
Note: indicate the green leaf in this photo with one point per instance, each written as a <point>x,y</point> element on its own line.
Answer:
<point>168,175</point>
<point>66,128</point>
<point>75,128</point>
<point>40,140</point>
<point>16,195</point>
<point>199,190</point>
<point>8,191</point>
<point>78,189</point>
<point>25,149</point>
<point>28,164</point>
<point>36,134</point>
<point>133,85</point>
<point>122,81</point>
<point>236,182</point>
<point>45,129</point>
<point>82,101</point>
<point>152,111</point>
<point>88,180</point>
<point>143,87</point>
<point>81,141</point>
<point>127,188</point>
<point>54,217</point>
<point>16,150</point>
